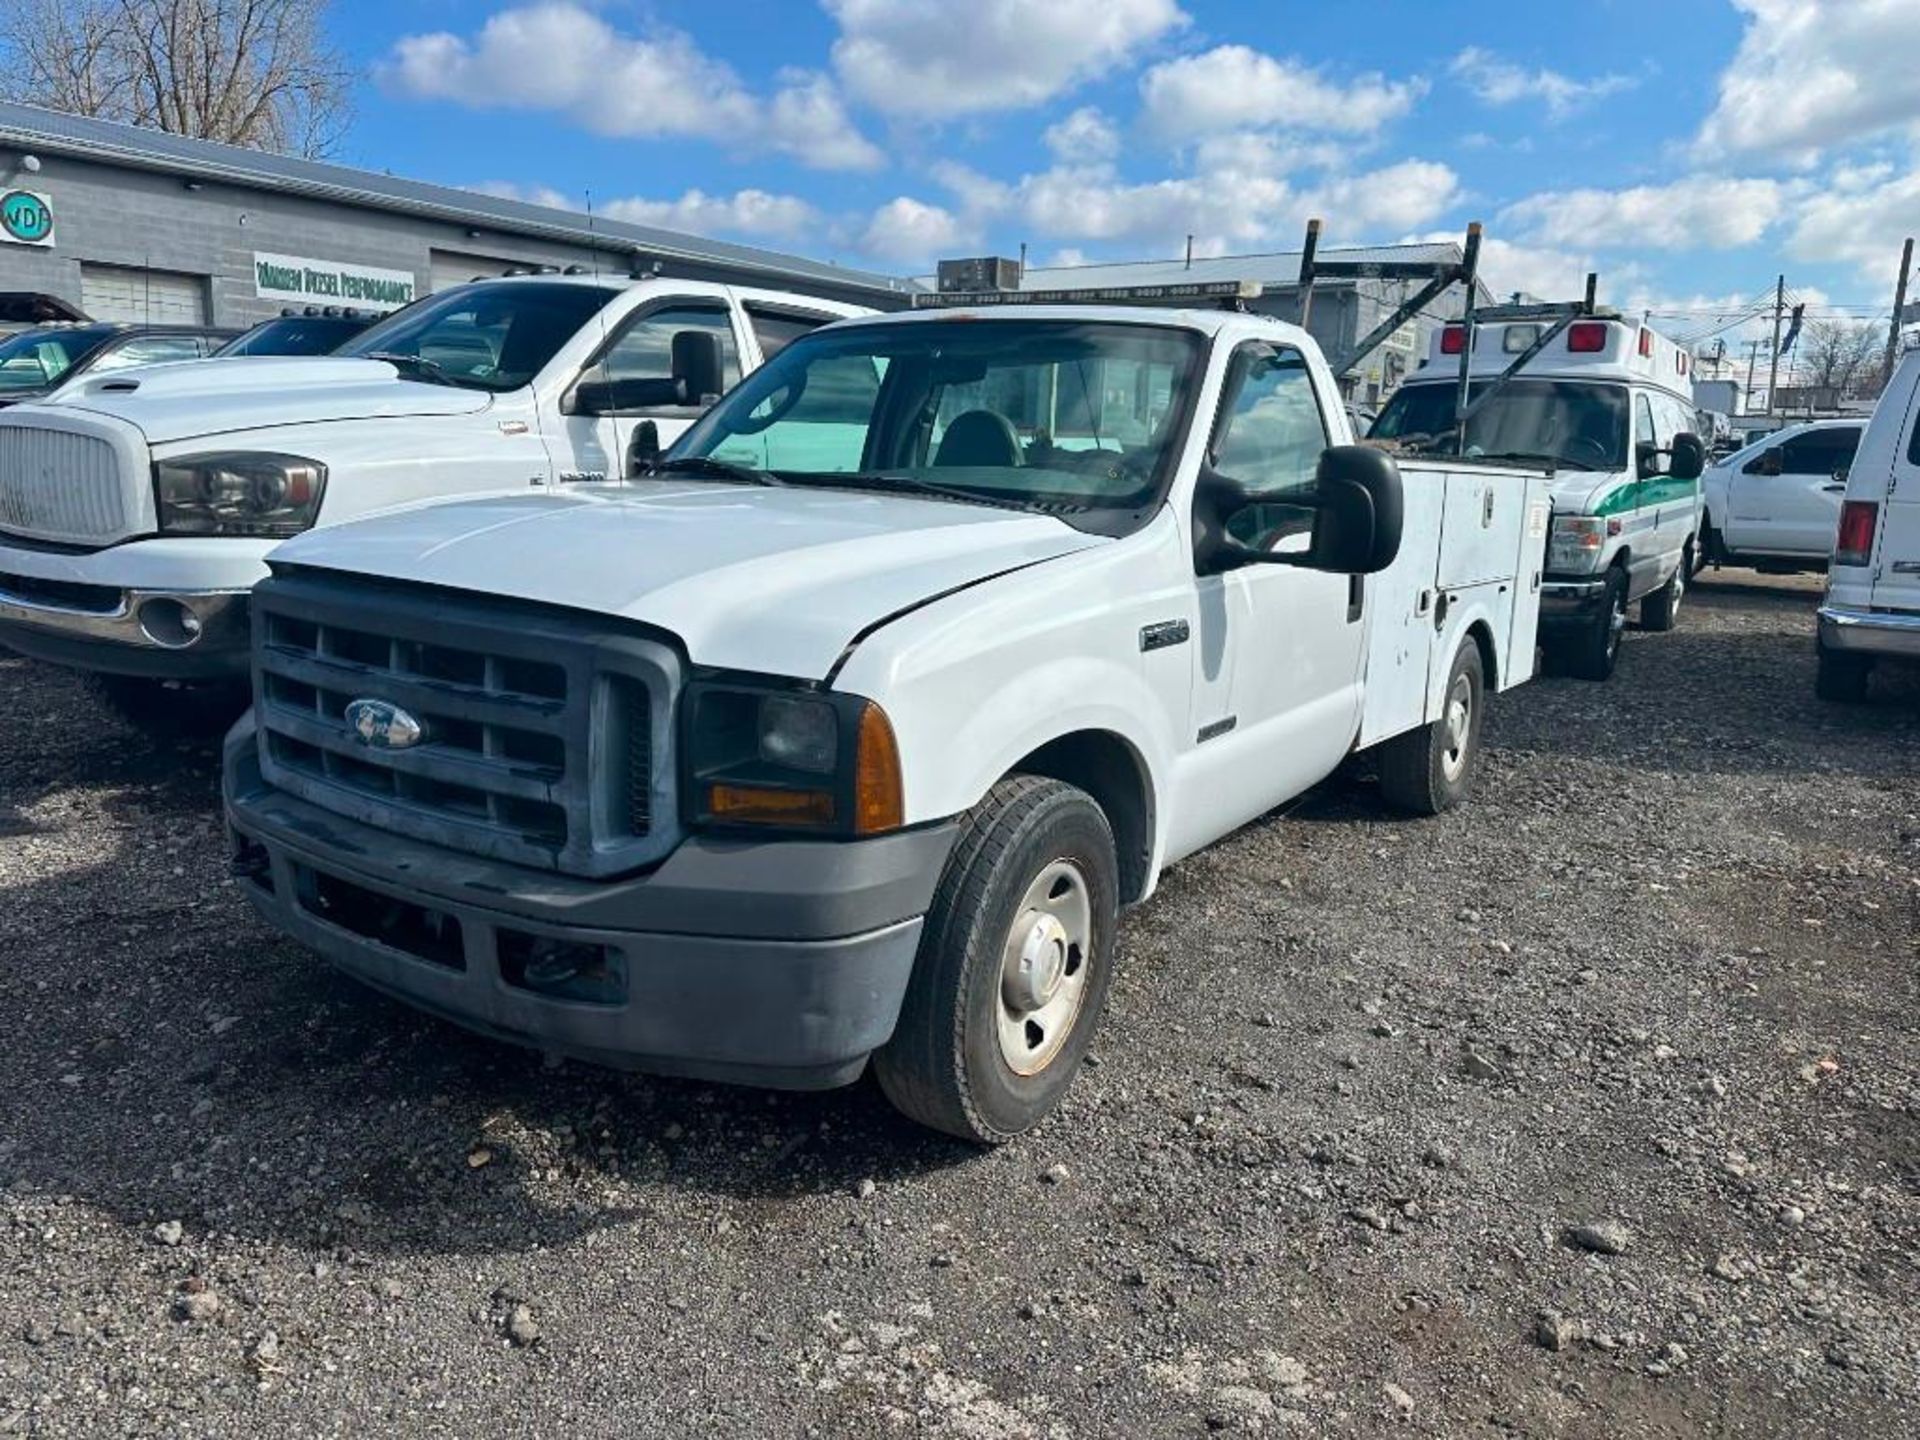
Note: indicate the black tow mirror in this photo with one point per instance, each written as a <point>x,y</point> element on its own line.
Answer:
<point>1356,505</point>
<point>643,449</point>
<point>1687,458</point>
<point>697,368</point>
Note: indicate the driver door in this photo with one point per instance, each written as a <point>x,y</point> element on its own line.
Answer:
<point>596,447</point>
<point>1278,664</point>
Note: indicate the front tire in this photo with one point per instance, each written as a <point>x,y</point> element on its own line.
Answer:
<point>1592,654</point>
<point>1014,965</point>
<point>1842,678</point>
<point>1660,610</point>
<point>1432,768</point>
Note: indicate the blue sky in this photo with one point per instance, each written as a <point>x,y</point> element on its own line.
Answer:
<point>1688,150</point>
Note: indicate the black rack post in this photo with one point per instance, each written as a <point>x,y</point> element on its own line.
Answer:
<point>1470,274</point>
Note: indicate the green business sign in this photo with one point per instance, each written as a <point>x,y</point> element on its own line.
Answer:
<point>26,218</point>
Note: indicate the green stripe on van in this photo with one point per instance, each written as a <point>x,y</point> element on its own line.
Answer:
<point>1639,494</point>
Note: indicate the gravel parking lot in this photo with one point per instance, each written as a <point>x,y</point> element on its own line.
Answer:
<point>1589,1109</point>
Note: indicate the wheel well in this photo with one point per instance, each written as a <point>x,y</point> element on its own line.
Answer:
<point>1107,768</point>
<point>1489,665</point>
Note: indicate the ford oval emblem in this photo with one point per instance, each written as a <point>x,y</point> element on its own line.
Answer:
<point>384,726</point>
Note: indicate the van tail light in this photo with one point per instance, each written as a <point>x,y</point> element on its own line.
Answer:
<point>1858,519</point>
<point>1453,339</point>
<point>1587,337</point>
<point>1646,341</point>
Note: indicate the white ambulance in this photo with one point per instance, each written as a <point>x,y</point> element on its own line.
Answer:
<point>1607,404</point>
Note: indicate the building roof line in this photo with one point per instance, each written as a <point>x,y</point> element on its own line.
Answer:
<point>30,127</point>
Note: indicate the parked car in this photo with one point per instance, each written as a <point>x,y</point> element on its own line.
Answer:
<point>845,733</point>
<point>1871,614</point>
<point>310,332</point>
<point>136,514</point>
<point>1774,505</point>
<point>35,363</point>
<point>1607,406</point>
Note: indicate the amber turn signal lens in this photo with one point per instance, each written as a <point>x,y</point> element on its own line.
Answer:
<point>879,799</point>
<point>761,805</point>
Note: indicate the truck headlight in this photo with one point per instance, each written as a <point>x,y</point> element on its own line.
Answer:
<point>238,493</point>
<point>1578,536</point>
<point>791,760</point>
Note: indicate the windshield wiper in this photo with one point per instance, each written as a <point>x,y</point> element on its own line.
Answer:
<point>427,369</point>
<point>714,469</point>
<point>914,485</point>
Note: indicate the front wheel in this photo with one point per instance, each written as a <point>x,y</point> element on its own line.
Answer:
<point>1013,968</point>
<point>1661,609</point>
<point>1431,769</point>
<point>1592,653</point>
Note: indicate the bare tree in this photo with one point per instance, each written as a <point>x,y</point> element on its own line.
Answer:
<point>258,73</point>
<point>1838,354</point>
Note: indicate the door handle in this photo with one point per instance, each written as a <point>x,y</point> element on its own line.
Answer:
<point>1835,487</point>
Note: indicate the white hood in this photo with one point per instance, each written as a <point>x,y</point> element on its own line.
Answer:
<point>256,392</point>
<point>779,581</point>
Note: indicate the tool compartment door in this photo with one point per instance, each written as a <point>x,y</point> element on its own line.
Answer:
<point>1523,633</point>
<point>1400,602</point>
<point>1480,534</point>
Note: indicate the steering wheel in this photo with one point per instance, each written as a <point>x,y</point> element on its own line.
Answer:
<point>1597,448</point>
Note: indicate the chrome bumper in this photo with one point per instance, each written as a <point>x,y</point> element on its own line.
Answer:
<point>1870,632</point>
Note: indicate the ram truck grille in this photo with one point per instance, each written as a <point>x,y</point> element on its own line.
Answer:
<point>62,486</point>
<point>535,738</point>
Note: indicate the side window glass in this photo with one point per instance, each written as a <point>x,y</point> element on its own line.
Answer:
<point>777,329</point>
<point>1645,432</point>
<point>1270,440</point>
<point>820,430</point>
<point>644,350</point>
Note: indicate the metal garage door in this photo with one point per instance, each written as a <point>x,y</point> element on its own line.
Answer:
<point>448,268</point>
<point>112,292</point>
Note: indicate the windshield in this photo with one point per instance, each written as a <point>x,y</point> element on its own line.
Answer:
<point>1567,422</point>
<point>294,335</point>
<point>1051,414</point>
<point>493,336</point>
<point>36,359</point>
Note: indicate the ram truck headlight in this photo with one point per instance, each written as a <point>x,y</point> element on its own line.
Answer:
<point>795,760</point>
<point>238,493</point>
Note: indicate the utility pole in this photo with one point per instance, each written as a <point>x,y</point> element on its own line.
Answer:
<point>1899,304</point>
<point>1773,376</point>
<point>1753,358</point>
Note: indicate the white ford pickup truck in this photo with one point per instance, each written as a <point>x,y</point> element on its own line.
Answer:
<point>846,733</point>
<point>136,513</point>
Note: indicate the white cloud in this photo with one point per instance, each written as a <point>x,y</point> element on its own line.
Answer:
<point>561,57</point>
<point>913,233</point>
<point>1409,193</point>
<point>745,212</point>
<point>1698,212</point>
<point>1233,87</point>
<point>1086,137</point>
<point>1859,220</point>
<point>933,59</point>
<point>1816,73</point>
<point>1501,82</point>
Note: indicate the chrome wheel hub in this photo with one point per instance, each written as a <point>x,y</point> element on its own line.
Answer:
<point>1458,724</point>
<point>1043,968</point>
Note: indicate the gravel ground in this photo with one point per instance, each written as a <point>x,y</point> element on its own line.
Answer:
<point>1589,1109</point>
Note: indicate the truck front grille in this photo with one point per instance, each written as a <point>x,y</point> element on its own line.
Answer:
<point>60,485</point>
<point>540,738</point>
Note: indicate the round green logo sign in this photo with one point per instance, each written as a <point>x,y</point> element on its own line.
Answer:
<point>25,216</point>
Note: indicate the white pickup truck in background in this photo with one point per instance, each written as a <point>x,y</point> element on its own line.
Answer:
<point>1774,504</point>
<point>847,732</point>
<point>1872,609</point>
<point>136,512</point>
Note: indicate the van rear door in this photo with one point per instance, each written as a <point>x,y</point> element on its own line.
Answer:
<point>1896,560</point>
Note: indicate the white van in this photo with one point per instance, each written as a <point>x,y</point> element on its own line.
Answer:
<point>1774,505</point>
<point>1608,405</point>
<point>1872,609</point>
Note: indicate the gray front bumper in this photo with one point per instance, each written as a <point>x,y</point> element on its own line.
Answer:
<point>127,632</point>
<point>1870,632</point>
<point>779,963</point>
